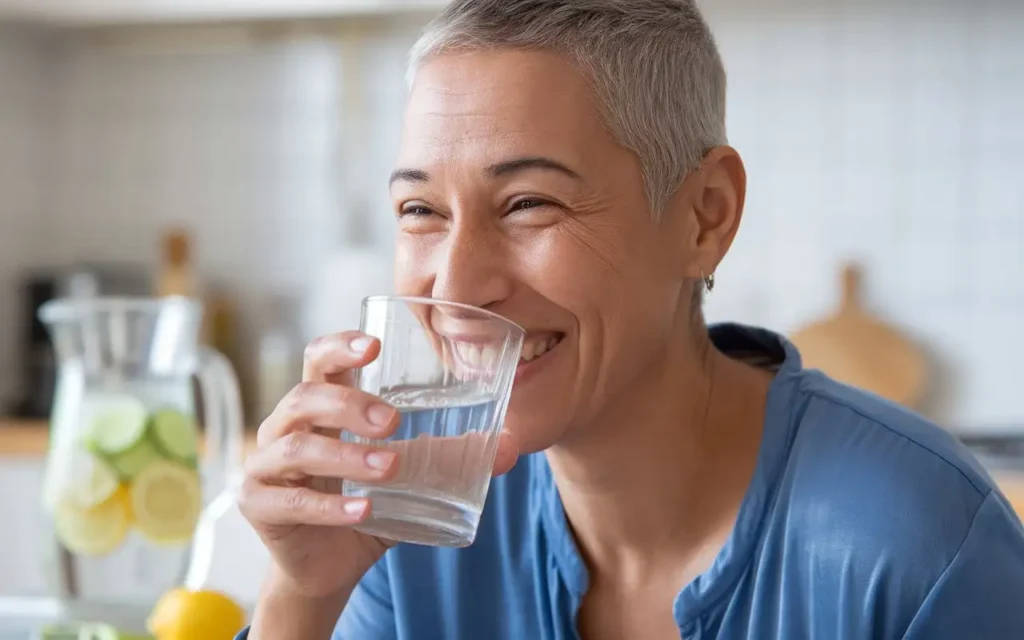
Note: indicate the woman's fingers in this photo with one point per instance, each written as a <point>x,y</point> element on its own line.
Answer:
<point>331,357</point>
<point>282,506</point>
<point>302,454</point>
<point>508,453</point>
<point>332,406</point>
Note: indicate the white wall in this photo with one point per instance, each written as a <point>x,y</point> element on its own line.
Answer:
<point>892,133</point>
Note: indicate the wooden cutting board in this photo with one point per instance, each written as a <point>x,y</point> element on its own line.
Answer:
<point>859,349</point>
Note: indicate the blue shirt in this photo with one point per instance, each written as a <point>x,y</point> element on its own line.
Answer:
<point>862,521</point>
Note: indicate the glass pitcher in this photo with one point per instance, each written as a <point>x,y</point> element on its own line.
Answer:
<point>131,468</point>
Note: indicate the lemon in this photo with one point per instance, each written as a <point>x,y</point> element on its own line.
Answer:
<point>166,501</point>
<point>96,531</point>
<point>124,496</point>
<point>196,615</point>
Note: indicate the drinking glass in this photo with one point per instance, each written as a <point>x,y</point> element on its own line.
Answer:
<point>448,369</point>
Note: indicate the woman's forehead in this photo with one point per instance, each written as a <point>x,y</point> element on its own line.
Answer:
<point>499,103</point>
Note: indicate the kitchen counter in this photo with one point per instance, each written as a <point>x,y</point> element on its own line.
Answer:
<point>29,438</point>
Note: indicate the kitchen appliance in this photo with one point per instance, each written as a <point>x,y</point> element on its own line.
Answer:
<point>125,483</point>
<point>859,349</point>
<point>37,371</point>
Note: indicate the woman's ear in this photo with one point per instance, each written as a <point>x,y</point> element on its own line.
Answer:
<point>706,210</point>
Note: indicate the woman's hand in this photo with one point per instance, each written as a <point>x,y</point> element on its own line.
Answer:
<point>292,491</point>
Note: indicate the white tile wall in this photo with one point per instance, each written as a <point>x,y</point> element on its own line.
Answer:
<point>237,144</point>
<point>892,133</point>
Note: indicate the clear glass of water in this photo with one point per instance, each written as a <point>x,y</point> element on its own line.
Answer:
<point>448,368</point>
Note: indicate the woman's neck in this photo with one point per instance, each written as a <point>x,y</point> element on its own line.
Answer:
<point>657,483</point>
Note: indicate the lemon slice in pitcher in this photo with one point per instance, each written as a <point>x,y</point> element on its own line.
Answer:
<point>96,531</point>
<point>166,501</point>
<point>114,423</point>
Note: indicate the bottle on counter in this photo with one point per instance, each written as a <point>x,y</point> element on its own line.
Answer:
<point>176,275</point>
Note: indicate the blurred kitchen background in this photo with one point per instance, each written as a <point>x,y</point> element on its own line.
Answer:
<point>241,150</point>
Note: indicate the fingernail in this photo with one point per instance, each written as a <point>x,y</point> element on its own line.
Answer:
<point>355,507</point>
<point>360,344</point>
<point>380,460</point>
<point>380,415</point>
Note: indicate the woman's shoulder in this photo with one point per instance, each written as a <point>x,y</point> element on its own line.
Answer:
<point>872,435</point>
<point>885,476</point>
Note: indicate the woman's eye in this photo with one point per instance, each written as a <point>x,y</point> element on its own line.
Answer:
<point>527,203</point>
<point>415,210</point>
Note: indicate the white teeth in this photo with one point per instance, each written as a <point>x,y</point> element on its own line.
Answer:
<point>484,356</point>
<point>489,356</point>
<point>527,353</point>
<point>535,348</point>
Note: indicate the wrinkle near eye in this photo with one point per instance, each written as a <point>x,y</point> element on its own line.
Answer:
<point>593,232</point>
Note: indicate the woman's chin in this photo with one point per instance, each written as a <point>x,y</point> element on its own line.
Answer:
<point>535,428</point>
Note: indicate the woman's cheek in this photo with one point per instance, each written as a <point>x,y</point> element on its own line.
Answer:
<point>414,272</point>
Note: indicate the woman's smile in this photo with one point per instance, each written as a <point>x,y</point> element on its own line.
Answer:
<point>478,357</point>
<point>538,349</point>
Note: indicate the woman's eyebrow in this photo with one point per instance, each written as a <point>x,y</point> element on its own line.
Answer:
<point>530,162</point>
<point>497,170</point>
<point>408,175</point>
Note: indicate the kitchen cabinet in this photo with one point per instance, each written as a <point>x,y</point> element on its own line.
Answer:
<point>21,551</point>
<point>110,12</point>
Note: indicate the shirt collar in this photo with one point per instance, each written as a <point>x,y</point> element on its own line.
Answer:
<point>758,347</point>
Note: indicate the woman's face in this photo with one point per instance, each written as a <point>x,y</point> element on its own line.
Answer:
<point>511,196</point>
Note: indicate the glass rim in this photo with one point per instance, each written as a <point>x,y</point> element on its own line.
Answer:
<point>436,302</point>
<point>71,308</point>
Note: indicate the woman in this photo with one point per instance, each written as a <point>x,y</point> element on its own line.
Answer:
<point>564,164</point>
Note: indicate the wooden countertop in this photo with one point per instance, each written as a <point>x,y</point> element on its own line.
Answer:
<point>29,438</point>
<point>23,437</point>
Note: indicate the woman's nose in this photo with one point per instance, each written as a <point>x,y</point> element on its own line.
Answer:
<point>472,268</point>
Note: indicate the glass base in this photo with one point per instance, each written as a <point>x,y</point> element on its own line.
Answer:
<point>404,516</point>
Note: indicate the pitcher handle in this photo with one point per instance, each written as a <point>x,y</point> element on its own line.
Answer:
<point>225,439</point>
<point>225,431</point>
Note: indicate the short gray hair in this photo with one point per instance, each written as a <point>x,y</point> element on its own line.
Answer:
<point>654,66</point>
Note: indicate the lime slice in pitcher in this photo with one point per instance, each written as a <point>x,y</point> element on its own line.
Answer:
<point>175,434</point>
<point>166,501</point>
<point>115,424</point>
<point>131,462</point>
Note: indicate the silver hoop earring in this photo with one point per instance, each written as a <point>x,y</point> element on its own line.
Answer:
<point>709,280</point>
